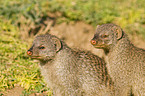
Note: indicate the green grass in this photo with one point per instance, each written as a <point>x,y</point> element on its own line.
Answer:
<point>17,68</point>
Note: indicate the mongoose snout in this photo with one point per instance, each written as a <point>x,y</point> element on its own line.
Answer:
<point>29,52</point>
<point>93,42</point>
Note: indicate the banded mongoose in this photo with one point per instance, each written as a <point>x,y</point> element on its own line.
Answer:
<point>69,72</point>
<point>125,62</point>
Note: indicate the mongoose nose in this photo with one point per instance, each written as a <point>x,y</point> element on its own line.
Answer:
<point>93,42</point>
<point>29,52</point>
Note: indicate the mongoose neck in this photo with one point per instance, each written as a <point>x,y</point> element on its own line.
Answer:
<point>121,45</point>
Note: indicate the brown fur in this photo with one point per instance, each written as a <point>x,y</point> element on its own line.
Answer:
<point>125,62</point>
<point>68,72</point>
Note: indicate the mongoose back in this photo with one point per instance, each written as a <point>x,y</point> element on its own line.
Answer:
<point>69,72</point>
<point>125,62</point>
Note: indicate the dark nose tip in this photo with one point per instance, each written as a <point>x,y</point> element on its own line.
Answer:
<point>93,42</point>
<point>29,52</point>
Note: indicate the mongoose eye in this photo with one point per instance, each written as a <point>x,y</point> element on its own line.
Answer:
<point>93,42</point>
<point>104,36</point>
<point>41,47</point>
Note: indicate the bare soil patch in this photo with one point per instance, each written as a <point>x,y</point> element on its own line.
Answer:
<point>16,91</point>
<point>76,35</point>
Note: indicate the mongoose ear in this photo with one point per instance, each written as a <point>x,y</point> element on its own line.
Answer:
<point>57,43</point>
<point>118,31</point>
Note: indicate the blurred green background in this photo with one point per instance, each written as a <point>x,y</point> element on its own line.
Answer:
<point>17,16</point>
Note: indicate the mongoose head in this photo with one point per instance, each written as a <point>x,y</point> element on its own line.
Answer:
<point>106,35</point>
<point>44,47</point>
